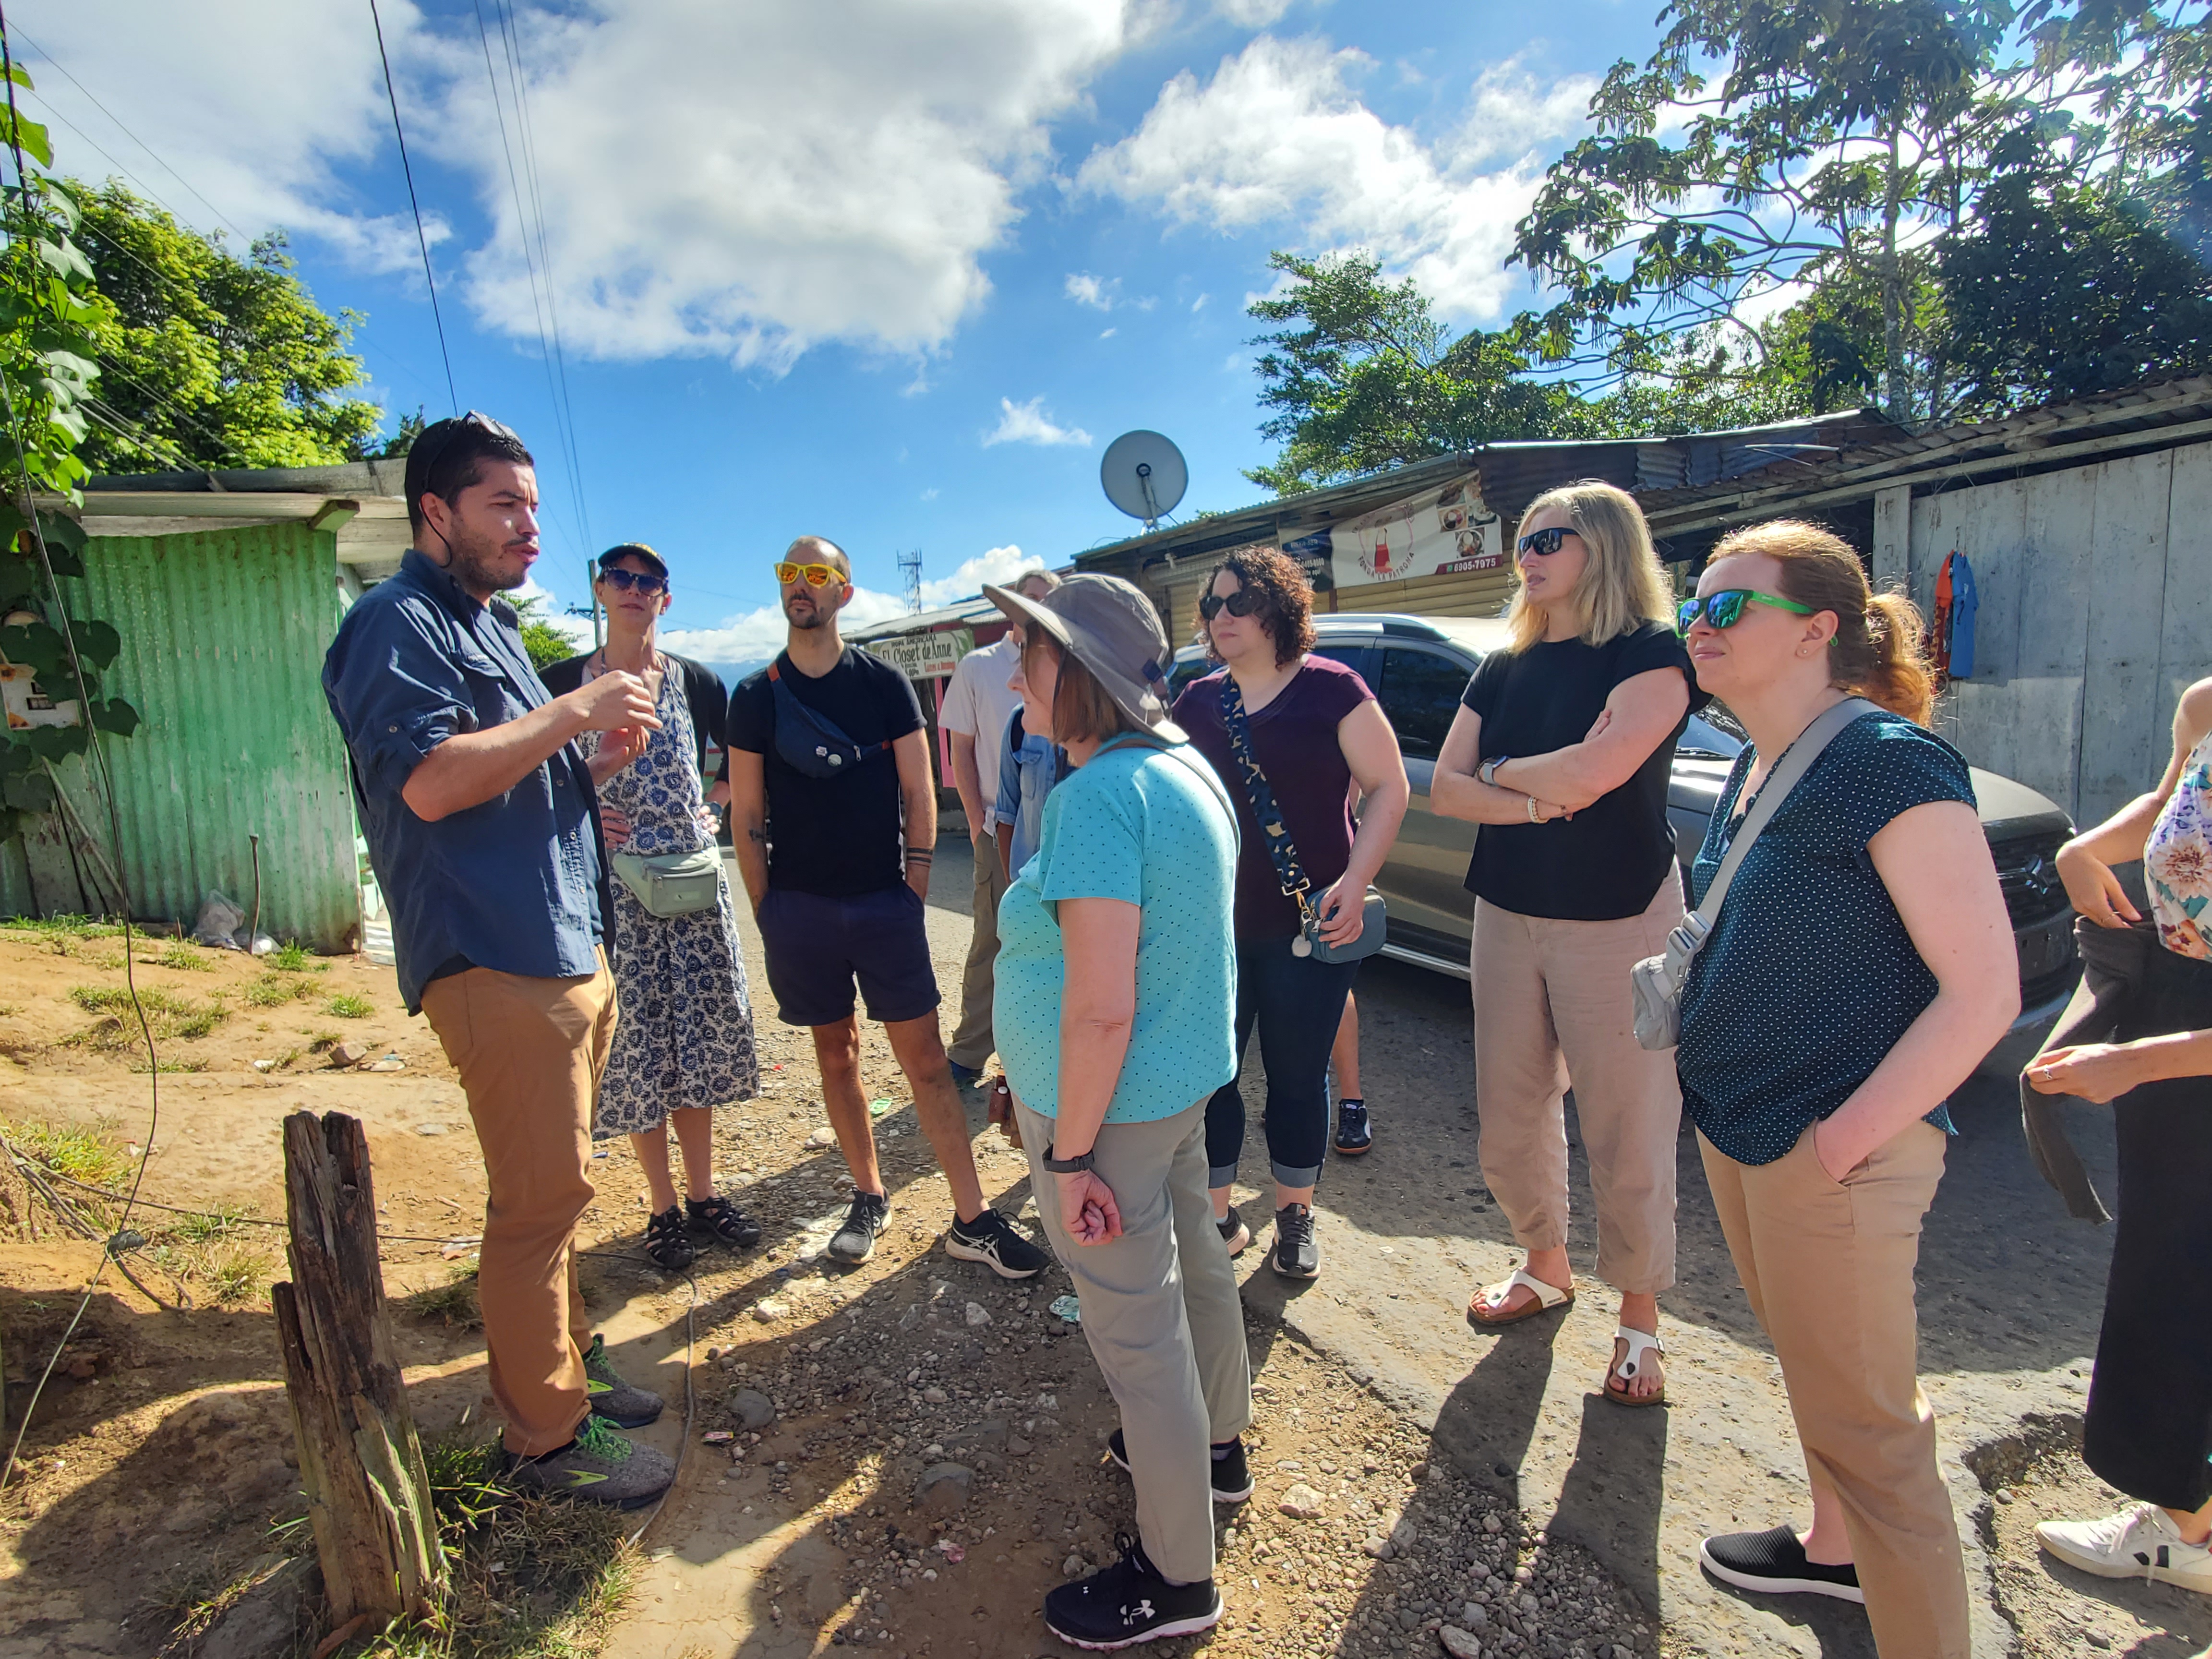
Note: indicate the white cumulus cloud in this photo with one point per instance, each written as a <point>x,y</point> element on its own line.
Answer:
<point>1027,423</point>
<point>735,177</point>
<point>1280,137</point>
<point>1252,14</point>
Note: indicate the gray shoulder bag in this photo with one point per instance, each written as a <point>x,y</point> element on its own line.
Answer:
<point>1656,981</point>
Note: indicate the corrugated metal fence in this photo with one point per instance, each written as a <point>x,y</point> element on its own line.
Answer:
<point>223,636</point>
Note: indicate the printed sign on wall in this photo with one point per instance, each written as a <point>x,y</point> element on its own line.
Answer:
<point>1442,531</point>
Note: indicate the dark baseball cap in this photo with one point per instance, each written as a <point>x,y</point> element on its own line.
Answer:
<point>641,550</point>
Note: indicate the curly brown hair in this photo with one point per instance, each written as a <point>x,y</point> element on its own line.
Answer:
<point>1286,604</point>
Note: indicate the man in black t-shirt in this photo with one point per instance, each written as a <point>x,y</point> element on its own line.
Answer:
<point>833,814</point>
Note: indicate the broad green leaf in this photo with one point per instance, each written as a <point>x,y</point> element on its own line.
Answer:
<point>117,716</point>
<point>29,792</point>
<point>37,646</point>
<point>57,743</point>
<point>97,642</point>
<point>32,135</point>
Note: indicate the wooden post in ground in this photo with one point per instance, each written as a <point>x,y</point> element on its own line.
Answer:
<point>360,1464</point>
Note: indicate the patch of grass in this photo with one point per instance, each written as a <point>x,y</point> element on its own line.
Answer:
<point>219,1222</point>
<point>183,955</point>
<point>564,1572</point>
<point>274,990</point>
<point>452,1303</point>
<point>347,1005</point>
<point>92,1154</point>
<point>169,1014</point>
<point>9,1010</point>
<point>166,1068</point>
<point>237,1273</point>
<point>319,1040</point>
<point>291,958</point>
<point>59,927</point>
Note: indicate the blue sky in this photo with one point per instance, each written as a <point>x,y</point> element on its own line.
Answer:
<point>892,272</point>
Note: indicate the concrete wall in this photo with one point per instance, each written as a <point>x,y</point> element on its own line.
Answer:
<point>2096,611</point>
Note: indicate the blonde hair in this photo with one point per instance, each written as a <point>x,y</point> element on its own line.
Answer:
<point>1876,652</point>
<point>1622,585</point>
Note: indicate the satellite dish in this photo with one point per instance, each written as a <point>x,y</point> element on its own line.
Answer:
<point>1143,475</point>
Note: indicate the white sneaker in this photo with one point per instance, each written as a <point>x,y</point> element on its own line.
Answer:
<point>2141,1543</point>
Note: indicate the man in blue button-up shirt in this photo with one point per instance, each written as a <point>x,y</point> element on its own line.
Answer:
<point>482,828</point>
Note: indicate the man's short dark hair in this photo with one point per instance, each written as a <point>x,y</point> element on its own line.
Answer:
<point>446,456</point>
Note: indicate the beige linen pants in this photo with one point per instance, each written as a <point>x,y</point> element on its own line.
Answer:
<point>971,1042</point>
<point>530,1053</point>
<point>1161,1312</point>
<point>1828,1266</point>
<point>1552,1003</point>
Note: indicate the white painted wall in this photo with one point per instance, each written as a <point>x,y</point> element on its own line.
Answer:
<point>2096,611</point>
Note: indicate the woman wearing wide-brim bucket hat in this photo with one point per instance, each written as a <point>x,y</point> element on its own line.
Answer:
<point>1115,1009</point>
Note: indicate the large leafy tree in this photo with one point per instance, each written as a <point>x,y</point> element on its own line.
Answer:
<point>211,359</point>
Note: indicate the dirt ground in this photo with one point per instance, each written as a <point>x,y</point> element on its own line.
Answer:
<point>1475,1482</point>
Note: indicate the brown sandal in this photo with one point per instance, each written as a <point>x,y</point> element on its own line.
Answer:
<point>1550,1298</point>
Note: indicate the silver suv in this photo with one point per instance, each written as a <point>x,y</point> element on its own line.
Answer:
<point>1418,666</point>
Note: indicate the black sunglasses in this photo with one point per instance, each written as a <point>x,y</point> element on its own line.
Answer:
<point>1242,603</point>
<point>435,442</point>
<point>640,581</point>
<point>1544,541</point>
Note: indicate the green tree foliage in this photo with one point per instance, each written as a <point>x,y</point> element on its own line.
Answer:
<point>546,643</point>
<point>212,360</point>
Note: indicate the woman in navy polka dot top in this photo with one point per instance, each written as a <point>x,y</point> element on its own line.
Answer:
<point>1861,967</point>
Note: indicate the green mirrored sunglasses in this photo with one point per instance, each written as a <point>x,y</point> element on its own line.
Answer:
<point>1725,608</point>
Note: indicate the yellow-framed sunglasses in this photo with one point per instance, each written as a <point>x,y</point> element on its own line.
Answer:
<point>817,575</point>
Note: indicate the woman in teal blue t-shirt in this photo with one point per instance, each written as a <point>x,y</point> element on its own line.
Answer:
<point>1115,998</point>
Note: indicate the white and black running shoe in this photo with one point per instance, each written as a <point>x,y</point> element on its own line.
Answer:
<point>855,1242</point>
<point>1774,1563</point>
<point>1294,1254</point>
<point>1230,1478</point>
<point>992,1239</point>
<point>1129,1603</point>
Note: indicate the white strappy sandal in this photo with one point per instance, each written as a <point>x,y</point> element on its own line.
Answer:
<point>1640,1343</point>
<point>1549,1299</point>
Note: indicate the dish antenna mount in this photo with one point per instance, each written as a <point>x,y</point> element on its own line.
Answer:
<point>1143,475</point>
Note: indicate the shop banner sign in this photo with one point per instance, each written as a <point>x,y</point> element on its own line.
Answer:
<point>924,656</point>
<point>1441,531</point>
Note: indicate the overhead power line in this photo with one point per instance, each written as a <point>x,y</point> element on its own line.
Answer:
<point>421,241</point>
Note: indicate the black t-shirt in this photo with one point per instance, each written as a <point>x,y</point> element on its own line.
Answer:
<point>838,837</point>
<point>1607,861</point>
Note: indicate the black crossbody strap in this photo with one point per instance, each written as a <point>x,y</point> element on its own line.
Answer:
<point>1282,851</point>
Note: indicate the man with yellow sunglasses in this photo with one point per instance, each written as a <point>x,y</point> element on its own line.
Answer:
<point>833,814</point>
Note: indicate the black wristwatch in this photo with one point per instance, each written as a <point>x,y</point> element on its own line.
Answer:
<point>1069,1165</point>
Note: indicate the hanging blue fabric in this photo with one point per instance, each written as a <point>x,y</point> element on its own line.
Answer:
<point>1964,602</point>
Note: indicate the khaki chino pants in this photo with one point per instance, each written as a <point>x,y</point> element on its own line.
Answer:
<point>1828,1266</point>
<point>530,1053</point>
<point>1162,1314</point>
<point>971,1044</point>
<point>1552,1003</point>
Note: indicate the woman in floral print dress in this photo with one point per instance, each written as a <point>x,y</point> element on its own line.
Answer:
<point>2147,1429</point>
<point>683,1037</point>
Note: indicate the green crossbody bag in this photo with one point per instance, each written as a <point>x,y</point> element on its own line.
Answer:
<point>672,884</point>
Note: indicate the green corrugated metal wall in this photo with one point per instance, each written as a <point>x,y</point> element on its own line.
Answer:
<point>223,636</point>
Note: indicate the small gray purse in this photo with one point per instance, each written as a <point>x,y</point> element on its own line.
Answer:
<point>672,884</point>
<point>1656,981</point>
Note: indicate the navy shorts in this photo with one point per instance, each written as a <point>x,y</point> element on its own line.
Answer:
<point>817,947</point>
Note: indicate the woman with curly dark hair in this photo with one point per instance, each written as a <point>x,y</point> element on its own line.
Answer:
<point>1311,729</point>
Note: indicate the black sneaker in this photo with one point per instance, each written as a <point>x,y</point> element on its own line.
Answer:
<point>667,1243</point>
<point>855,1242</point>
<point>1234,1233</point>
<point>598,1467</point>
<point>1129,1603</point>
<point>719,1219</point>
<point>992,1239</point>
<point>1354,1133</point>
<point>1294,1255</point>
<point>621,1405</point>
<point>1231,1477</point>
<point>1774,1563</point>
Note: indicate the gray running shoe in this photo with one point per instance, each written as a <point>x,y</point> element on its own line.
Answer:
<point>598,1467</point>
<point>620,1404</point>
<point>1294,1254</point>
<point>855,1242</point>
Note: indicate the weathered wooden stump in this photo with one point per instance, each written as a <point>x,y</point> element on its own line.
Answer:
<point>361,1463</point>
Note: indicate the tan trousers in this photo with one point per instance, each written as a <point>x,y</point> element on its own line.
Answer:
<point>971,1044</point>
<point>1828,1267</point>
<point>1162,1314</point>
<point>530,1053</point>
<point>1552,1003</point>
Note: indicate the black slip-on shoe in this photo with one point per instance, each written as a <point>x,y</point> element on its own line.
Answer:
<point>1773,1563</point>
<point>1129,1603</point>
<point>1234,1233</point>
<point>1354,1133</point>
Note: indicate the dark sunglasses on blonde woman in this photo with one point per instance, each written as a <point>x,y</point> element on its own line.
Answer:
<point>1242,603</point>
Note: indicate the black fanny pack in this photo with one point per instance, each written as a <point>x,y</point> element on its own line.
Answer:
<point>810,741</point>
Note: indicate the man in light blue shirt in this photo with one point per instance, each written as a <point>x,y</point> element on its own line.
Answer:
<point>1029,767</point>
